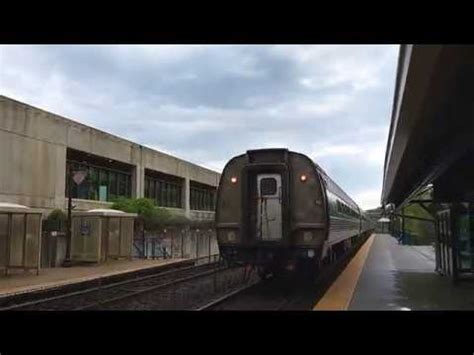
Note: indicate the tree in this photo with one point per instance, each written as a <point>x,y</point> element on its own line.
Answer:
<point>152,217</point>
<point>422,232</point>
<point>56,220</point>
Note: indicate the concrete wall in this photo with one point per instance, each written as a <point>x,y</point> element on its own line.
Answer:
<point>33,145</point>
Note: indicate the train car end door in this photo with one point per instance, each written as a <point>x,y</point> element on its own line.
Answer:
<point>269,211</point>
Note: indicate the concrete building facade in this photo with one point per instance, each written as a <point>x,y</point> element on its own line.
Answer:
<point>36,148</point>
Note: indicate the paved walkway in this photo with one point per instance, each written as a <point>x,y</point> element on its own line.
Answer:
<point>339,295</point>
<point>402,277</point>
<point>384,275</point>
<point>19,281</point>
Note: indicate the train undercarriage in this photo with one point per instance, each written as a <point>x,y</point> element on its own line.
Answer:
<point>277,261</point>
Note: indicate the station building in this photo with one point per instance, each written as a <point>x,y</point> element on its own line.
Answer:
<point>38,147</point>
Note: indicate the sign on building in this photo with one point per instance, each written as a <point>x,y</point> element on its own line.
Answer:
<point>85,228</point>
<point>78,176</point>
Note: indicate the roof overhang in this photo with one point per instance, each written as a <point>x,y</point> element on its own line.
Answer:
<point>432,117</point>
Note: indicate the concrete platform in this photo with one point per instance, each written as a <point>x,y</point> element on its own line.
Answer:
<point>387,276</point>
<point>22,282</point>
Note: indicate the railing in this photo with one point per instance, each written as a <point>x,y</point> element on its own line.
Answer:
<point>184,243</point>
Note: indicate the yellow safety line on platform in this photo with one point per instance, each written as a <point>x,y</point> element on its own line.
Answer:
<point>339,295</point>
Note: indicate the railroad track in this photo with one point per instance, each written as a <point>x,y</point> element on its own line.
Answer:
<point>92,296</point>
<point>187,293</point>
<point>281,294</point>
<point>261,296</point>
<point>210,286</point>
<point>210,305</point>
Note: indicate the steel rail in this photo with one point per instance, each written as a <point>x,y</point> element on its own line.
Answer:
<point>321,284</point>
<point>225,297</point>
<point>88,290</point>
<point>151,288</point>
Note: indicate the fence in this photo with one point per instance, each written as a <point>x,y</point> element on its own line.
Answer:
<point>176,243</point>
<point>415,233</point>
<point>186,242</point>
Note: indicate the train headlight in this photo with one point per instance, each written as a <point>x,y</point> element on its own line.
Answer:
<point>307,236</point>
<point>233,180</point>
<point>303,178</point>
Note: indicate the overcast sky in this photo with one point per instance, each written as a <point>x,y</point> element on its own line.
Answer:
<point>206,104</point>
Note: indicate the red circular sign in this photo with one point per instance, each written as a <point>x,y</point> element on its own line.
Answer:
<point>79,176</point>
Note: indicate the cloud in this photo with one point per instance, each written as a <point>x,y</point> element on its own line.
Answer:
<point>208,103</point>
<point>368,199</point>
<point>338,150</point>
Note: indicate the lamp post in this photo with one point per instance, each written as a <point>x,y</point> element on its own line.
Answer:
<point>77,177</point>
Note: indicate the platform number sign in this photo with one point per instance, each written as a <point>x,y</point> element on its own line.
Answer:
<point>85,228</point>
<point>78,176</point>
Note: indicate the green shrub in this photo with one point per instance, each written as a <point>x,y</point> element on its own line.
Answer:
<point>423,232</point>
<point>56,220</point>
<point>57,215</point>
<point>153,217</point>
<point>179,220</point>
<point>141,206</point>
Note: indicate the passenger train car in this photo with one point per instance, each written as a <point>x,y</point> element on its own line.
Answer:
<point>279,211</point>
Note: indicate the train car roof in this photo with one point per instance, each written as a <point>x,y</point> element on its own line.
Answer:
<point>336,189</point>
<point>331,184</point>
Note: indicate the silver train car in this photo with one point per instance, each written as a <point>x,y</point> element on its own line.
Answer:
<point>279,211</point>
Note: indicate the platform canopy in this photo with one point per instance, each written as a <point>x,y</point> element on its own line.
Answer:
<point>11,205</point>
<point>7,207</point>
<point>105,212</point>
<point>432,121</point>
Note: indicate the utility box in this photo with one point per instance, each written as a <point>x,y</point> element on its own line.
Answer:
<point>102,234</point>
<point>20,237</point>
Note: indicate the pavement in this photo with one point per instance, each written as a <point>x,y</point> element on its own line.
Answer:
<point>19,281</point>
<point>396,277</point>
<point>339,294</point>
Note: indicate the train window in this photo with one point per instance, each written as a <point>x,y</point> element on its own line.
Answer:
<point>268,186</point>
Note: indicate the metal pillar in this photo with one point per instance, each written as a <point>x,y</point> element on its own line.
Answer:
<point>67,259</point>
<point>403,225</point>
<point>209,246</point>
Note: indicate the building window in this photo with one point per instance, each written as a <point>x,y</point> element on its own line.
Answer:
<point>101,184</point>
<point>164,189</point>
<point>202,197</point>
<point>112,185</point>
